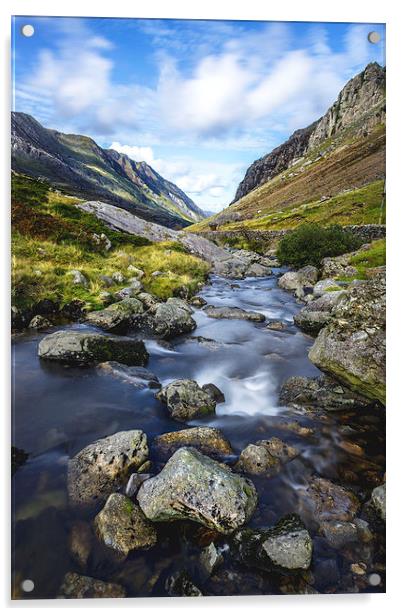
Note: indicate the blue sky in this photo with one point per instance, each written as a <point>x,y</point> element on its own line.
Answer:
<point>198,100</point>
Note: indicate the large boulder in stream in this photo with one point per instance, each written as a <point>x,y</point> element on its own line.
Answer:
<point>82,348</point>
<point>209,441</point>
<point>352,347</point>
<point>285,547</point>
<point>116,318</point>
<point>191,486</point>
<point>228,312</point>
<point>122,526</point>
<point>266,457</point>
<point>185,399</point>
<point>172,318</point>
<point>103,466</point>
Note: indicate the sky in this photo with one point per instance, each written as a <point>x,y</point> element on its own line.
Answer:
<point>197,100</point>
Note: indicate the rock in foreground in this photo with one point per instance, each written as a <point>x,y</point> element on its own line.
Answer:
<point>186,400</point>
<point>172,319</point>
<point>286,546</point>
<point>191,486</point>
<point>98,469</point>
<point>209,441</point>
<point>121,526</point>
<point>82,348</point>
<point>76,586</point>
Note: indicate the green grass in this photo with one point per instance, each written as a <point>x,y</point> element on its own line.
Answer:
<point>374,257</point>
<point>50,237</point>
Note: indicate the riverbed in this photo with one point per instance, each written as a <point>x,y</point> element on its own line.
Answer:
<point>58,410</point>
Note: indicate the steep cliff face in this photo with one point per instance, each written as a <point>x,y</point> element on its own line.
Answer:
<point>77,165</point>
<point>359,107</point>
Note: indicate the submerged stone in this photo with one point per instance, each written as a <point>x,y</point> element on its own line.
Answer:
<point>227,312</point>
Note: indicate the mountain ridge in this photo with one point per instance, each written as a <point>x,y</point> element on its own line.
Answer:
<point>78,165</point>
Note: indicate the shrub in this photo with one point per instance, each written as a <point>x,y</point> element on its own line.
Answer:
<point>310,243</point>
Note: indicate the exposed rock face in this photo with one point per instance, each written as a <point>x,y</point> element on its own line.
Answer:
<point>138,377</point>
<point>285,547</point>
<point>191,486</point>
<point>76,586</point>
<point>320,392</point>
<point>352,347</point>
<point>74,347</point>
<point>378,500</point>
<point>186,400</point>
<point>98,469</point>
<point>361,101</point>
<point>209,441</point>
<point>227,312</point>
<point>122,526</point>
<point>77,164</point>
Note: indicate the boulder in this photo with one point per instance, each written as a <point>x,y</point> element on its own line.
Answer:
<point>122,526</point>
<point>322,393</point>
<point>76,586</point>
<point>117,277</point>
<point>378,500</point>
<point>136,272</point>
<point>210,558</point>
<point>78,278</point>
<point>117,317</point>
<point>352,347</point>
<point>39,322</point>
<point>256,270</point>
<point>135,375</point>
<point>171,319</point>
<point>265,457</point>
<point>107,281</point>
<point>209,441</point>
<point>330,502</point>
<point>289,281</point>
<point>324,286</point>
<point>285,547</point>
<point>77,347</point>
<point>214,392</point>
<point>227,312</point>
<point>185,400</point>
<point>128,292</point>
<point>277,326</point>
<point>133,484</point>
<point>191,486</point>
<point>311,322</point>
<point>101,467</point>
<point>308,275</point>
<point>198,302</point>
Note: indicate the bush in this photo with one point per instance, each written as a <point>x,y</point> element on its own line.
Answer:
<point>310,243</point>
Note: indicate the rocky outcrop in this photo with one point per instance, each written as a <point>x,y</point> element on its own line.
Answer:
<point>352,347</point>
<point>101,467</point>
<point>227,312</point>
<point>285,547</point>
<point>209,441</point>
<point>77,586</point>
<point>361,104</point>
<point>82,348</point>
<point>191,486</point>
<point>122,526</point>
<point>185,400</point>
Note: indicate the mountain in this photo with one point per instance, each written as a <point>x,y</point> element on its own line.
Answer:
<point>79,167</point>
<point>343,151</point>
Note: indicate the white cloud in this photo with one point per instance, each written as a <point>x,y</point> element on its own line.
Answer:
<point>136,152</point>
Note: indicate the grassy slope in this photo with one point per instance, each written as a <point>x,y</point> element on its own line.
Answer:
<point>50,237</point>
<point>351,164</point>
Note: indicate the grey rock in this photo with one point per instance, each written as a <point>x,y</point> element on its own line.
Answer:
<point>136,272</point>
<point>179,303</point>
<point>312,322</point>
<point>127,292</point>
<point>210,558</point>
<point>133,484</point>
<point>323,286</point>
<point>170,320</point>
<point>117,277</point>
<point>116,318</point>
<point>78,278</point>
<point>198,302</point>
<point>227,312</point>
<point>76,586</point>
<point>137,376</point>
<point>102,241</point>
<point>122,526</point>
<point>106,297</point>
<point>320,392</point>
<point>75,347</point>
<point>378,500</point>
<point>308,275</point>
<point>107,281</point>
<point>276,326</point>
<point>289,281</point>
<point>181,585</point>
<point>257,270</point>
<point>265,457</point>
<point>209,441</point>
<point>39,322</point>
<point>101,467</point>
<point>214,392</point>
<point>185,400</point>
<point>191,486</point>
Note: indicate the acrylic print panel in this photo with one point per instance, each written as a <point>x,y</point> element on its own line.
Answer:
<point>198,305</point>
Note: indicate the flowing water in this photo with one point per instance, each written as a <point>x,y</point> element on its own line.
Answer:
<point>59,410</point>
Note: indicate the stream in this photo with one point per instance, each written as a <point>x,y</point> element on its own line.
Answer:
<point>57,411</point>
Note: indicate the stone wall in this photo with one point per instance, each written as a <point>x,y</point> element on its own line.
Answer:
<point>367,233</point>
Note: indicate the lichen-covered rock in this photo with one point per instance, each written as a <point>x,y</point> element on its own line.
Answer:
<point>328,501</point>
<point>76,586</point>
<point>311,322</point>
<point>39,322</point>
<point>117,317</point>
<point>285,547</point>
<point>352,347</point>
<point>265,457</point>
<point>227,312</point>
<point>378,500</point>
<point>185,400</point>
<point>77,347</point>
<point>191,486</point>
<point>289,281</point>
<point>101,467</point>
<point>325,286</point>
<point>122,526</point>
<point>210,441</point>
<point>198,302</point>
<point>320,392</point>
<point>171,319</point>
<point>78,278</point>
<point>137,376</point>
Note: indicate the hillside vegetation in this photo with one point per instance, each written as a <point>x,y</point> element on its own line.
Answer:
<point>51,237</point>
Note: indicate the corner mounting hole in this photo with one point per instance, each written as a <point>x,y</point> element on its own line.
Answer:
<point>374,37</point>
<point>28,30</point>
<point>27,585</point>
